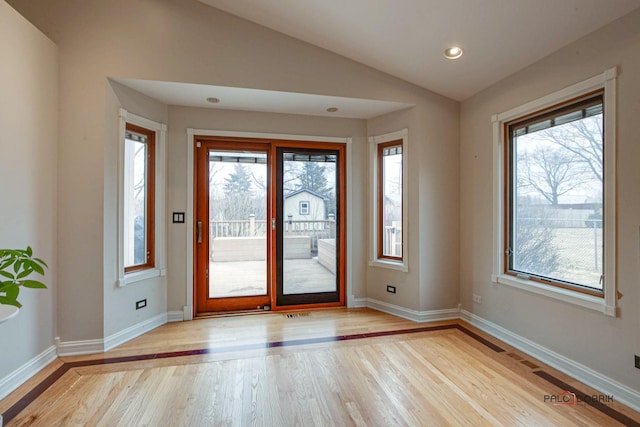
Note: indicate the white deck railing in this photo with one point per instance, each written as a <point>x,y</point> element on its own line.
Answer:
<point>320,229</point>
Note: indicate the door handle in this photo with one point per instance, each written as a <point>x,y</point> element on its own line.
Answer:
<point>273,223</point>
<point>199,231</point>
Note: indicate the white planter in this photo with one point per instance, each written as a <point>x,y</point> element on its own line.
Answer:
<point>7,312</point>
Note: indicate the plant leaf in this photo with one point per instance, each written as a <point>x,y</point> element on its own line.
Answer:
<point>7,275</point>
<point>29,251</point>
<point>24,273</point>
<point>41,262</point>
<point>12,292</point>
<point>7,263</point>
<point>9,301</point>
<point>6,284</point>
<point>34,284</point>
<point>37,268</point>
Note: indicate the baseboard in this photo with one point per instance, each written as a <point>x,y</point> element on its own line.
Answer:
<point>134,331</point>
<point>188,312</point>
<point>175,316</point>
<point>76,348</point>
<point>355,302</point>
<point>414,315</point>
<point>584,374</point>
<point>26,371</point>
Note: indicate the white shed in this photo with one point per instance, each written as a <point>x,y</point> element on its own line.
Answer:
<point>305,205</point>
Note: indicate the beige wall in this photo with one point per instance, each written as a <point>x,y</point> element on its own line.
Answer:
<point>181,118</point>
<point>432,200</point>
<point>119,303</point>
<point>604,344</point>
<point>449,192</point>
<point>28,189</point>
<point>186,41</point>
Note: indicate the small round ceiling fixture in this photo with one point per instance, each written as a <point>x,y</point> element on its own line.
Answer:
<point>453,52</point>
<point>213,100</point>
<point>332,109</point>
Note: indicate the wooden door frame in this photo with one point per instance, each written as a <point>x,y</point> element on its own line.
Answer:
<point>275,141</point>
<point>201,210</point>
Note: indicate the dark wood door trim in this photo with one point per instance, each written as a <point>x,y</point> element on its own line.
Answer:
<point>201,211</point>
<point>203,304</point>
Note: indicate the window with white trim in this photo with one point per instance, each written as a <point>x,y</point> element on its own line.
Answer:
<point>390,198</point>
<point>555,217</point>
<point>389,189</point>
<point>139,198</point>
<point>141,194</point>
<point>304,208</point>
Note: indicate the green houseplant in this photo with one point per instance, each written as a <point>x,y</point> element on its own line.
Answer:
<point>16,268</point>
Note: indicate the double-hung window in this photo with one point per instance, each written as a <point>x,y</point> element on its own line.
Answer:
<point>304,208</point>
<point>555,215</point>
<point>389,242</point>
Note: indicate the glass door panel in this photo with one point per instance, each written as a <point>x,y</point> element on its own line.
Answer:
<point>231,230</point>
<point>237,224</point>
<point>308,214</point>
<point>268,224</point>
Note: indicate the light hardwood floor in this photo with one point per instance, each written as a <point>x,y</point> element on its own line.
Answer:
<point>333,367</point>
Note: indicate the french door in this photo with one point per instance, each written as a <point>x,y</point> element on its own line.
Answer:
<point>269,224</point>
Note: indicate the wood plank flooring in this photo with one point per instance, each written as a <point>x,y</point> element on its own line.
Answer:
<point>333,367</point>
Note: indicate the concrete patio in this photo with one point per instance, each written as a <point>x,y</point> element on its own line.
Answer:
<point>244,278</point>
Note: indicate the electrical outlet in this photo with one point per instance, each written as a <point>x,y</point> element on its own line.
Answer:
<point>637,361</point>
<point>141,304</point>
<point>391,289</point>
<point>477,299</point>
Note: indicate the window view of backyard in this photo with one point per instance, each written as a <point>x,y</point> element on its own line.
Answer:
<point>556,197</point>
<point>309,223</point>
<point>138,183</point>
<point>238,227</point>
<point>237,224</point>
<point>391,192</point>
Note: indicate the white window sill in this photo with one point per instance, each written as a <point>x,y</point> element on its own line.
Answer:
<point>392,265</point>
<point>139,276</point>
<point>561,294</point>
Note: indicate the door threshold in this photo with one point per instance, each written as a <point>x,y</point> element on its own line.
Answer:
<point>230,313</point>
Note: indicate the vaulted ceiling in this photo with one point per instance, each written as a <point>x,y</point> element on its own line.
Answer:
<point>406,38</point>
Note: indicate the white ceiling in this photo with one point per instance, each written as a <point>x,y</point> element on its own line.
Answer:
<point>406,38</point>
<point>233,98</point>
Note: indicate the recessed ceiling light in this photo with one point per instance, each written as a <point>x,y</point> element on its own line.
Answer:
<point>332,109</point>
<point>213,100</point>
<point>453,52</point>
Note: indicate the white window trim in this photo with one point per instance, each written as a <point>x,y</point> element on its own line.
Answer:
<point>307,208</point>
<point>160,232</point>
<point>374,141</point>
<point>606,305</point>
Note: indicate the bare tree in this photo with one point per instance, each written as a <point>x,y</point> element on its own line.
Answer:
<point>214,169</point>
<point>551,171</point>
<point>584,139</point>
<point>535,250</point>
